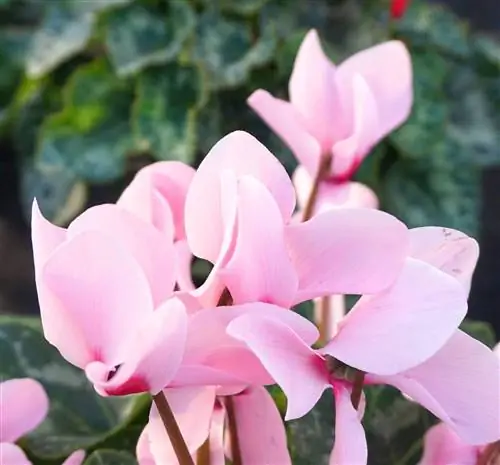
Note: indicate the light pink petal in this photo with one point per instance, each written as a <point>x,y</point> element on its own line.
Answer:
<point>461,385</point>
<point>242,154</point>
<point>350,442</point>
<point>193,408</point>
<point>261,431</point>
<point>46,238</point>
<point>153,354</point>
<point>348,153</point>
<point>333,252</point>
<point>143,450</point>
<point>23,406</point>
<point>216,437</point>
<point>313,91</point>
<point>142,199</point>
<point>284,119</point>
<point>260,269</point>
<point>332,194</point>
<point>102,292</point>
<point>10,454</point>
<point>287,358</point>
<point>449,250</point>
<point>183,260</point>
<point>393,91</point>
<point>442,446</point>
<point>149,247</point>
<point>76,458</point>
<point>420,311</point>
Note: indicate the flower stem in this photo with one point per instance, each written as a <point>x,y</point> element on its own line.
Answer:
<point>173,431</point>
<point>357,388</point>
<point>203,454</point>
<point>321,175</point>
<point>233,431</point>
<point>324,319</point>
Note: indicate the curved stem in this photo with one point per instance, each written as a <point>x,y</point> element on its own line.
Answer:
<point>203,454</point>
<point>357,388</point>
<point>174,433</point>
<point>324,319</point>
<point>490,455</point>
<point>321,175</point>
<point>233,431</point>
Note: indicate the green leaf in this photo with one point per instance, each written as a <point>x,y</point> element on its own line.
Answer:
<point>164,116</point>
<point>479,330</point>
<point>311,439</point>
<point>90,137</point>
<point>429,25</point>
<point>110,457</point>
<point>242,7</point>
<point>63,33</point>
<point>139,36</point>
<point>78,417</point>
<point>226,50</point>
<point>394,426</point>
<point>438,192</point>
<point>425,129</point>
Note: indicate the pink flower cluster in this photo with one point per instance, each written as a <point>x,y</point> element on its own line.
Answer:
<point>117,298</point>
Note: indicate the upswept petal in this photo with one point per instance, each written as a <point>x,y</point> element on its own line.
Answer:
<point>313,91</point>
<point>442,446</point>
<point>193,408</point>
<point>350,446</point>
<point>285,120</point>
<point>287,358</point>
<point>143,450</point>
<point>333,254</point>
<point>153,252</point>
<point>460,384</point>
<point>76,458</point>
<point>332,194</point>
<point>23,406</point>
<point>450,250</point>
<point>393,92</point>
<point>217,456</point>
<point>10,454</point>
<point>259,269</point>
<point>242,154</point>
<point>348,153</point>
<point>88,276</point>
<point>153,355</point>
<point>403,326</point>
<point>142,199</point>
<point>261,432</point>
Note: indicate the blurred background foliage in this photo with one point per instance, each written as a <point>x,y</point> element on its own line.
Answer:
<point>90,91</point>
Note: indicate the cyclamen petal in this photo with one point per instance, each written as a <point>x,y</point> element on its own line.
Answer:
<point>260,269</point>
<point>76,458</point>
<point>261,432</point>
<point>242,154</point>
<point>143,449</point>
<point>420,311</point>
<point>23,406</point>
<point>287,358</point>
<point>442,446</point>
<point>10,454</point>
<point>333,254</point>
<point>451,251</point>
<point>350,446</point>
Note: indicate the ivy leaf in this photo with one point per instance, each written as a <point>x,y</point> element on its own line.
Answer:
<point>164,116</point>
<point>78,418</point>
<point>63,33</point>
<point>110,457</point>
<point>226,50</point>
<point>311,437</point>
<point>479,330</point>
<point>90,137</point>
<point>139,36</point>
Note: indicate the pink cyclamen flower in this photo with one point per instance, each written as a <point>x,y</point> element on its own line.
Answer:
<point>104,285</point>
<point>23,406</point>
<point>443,446</point>
<point>239,217</point>
<point>339,112</point>
<point>451,374</point>
<point>201,413</point>
<point>157,194</point>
